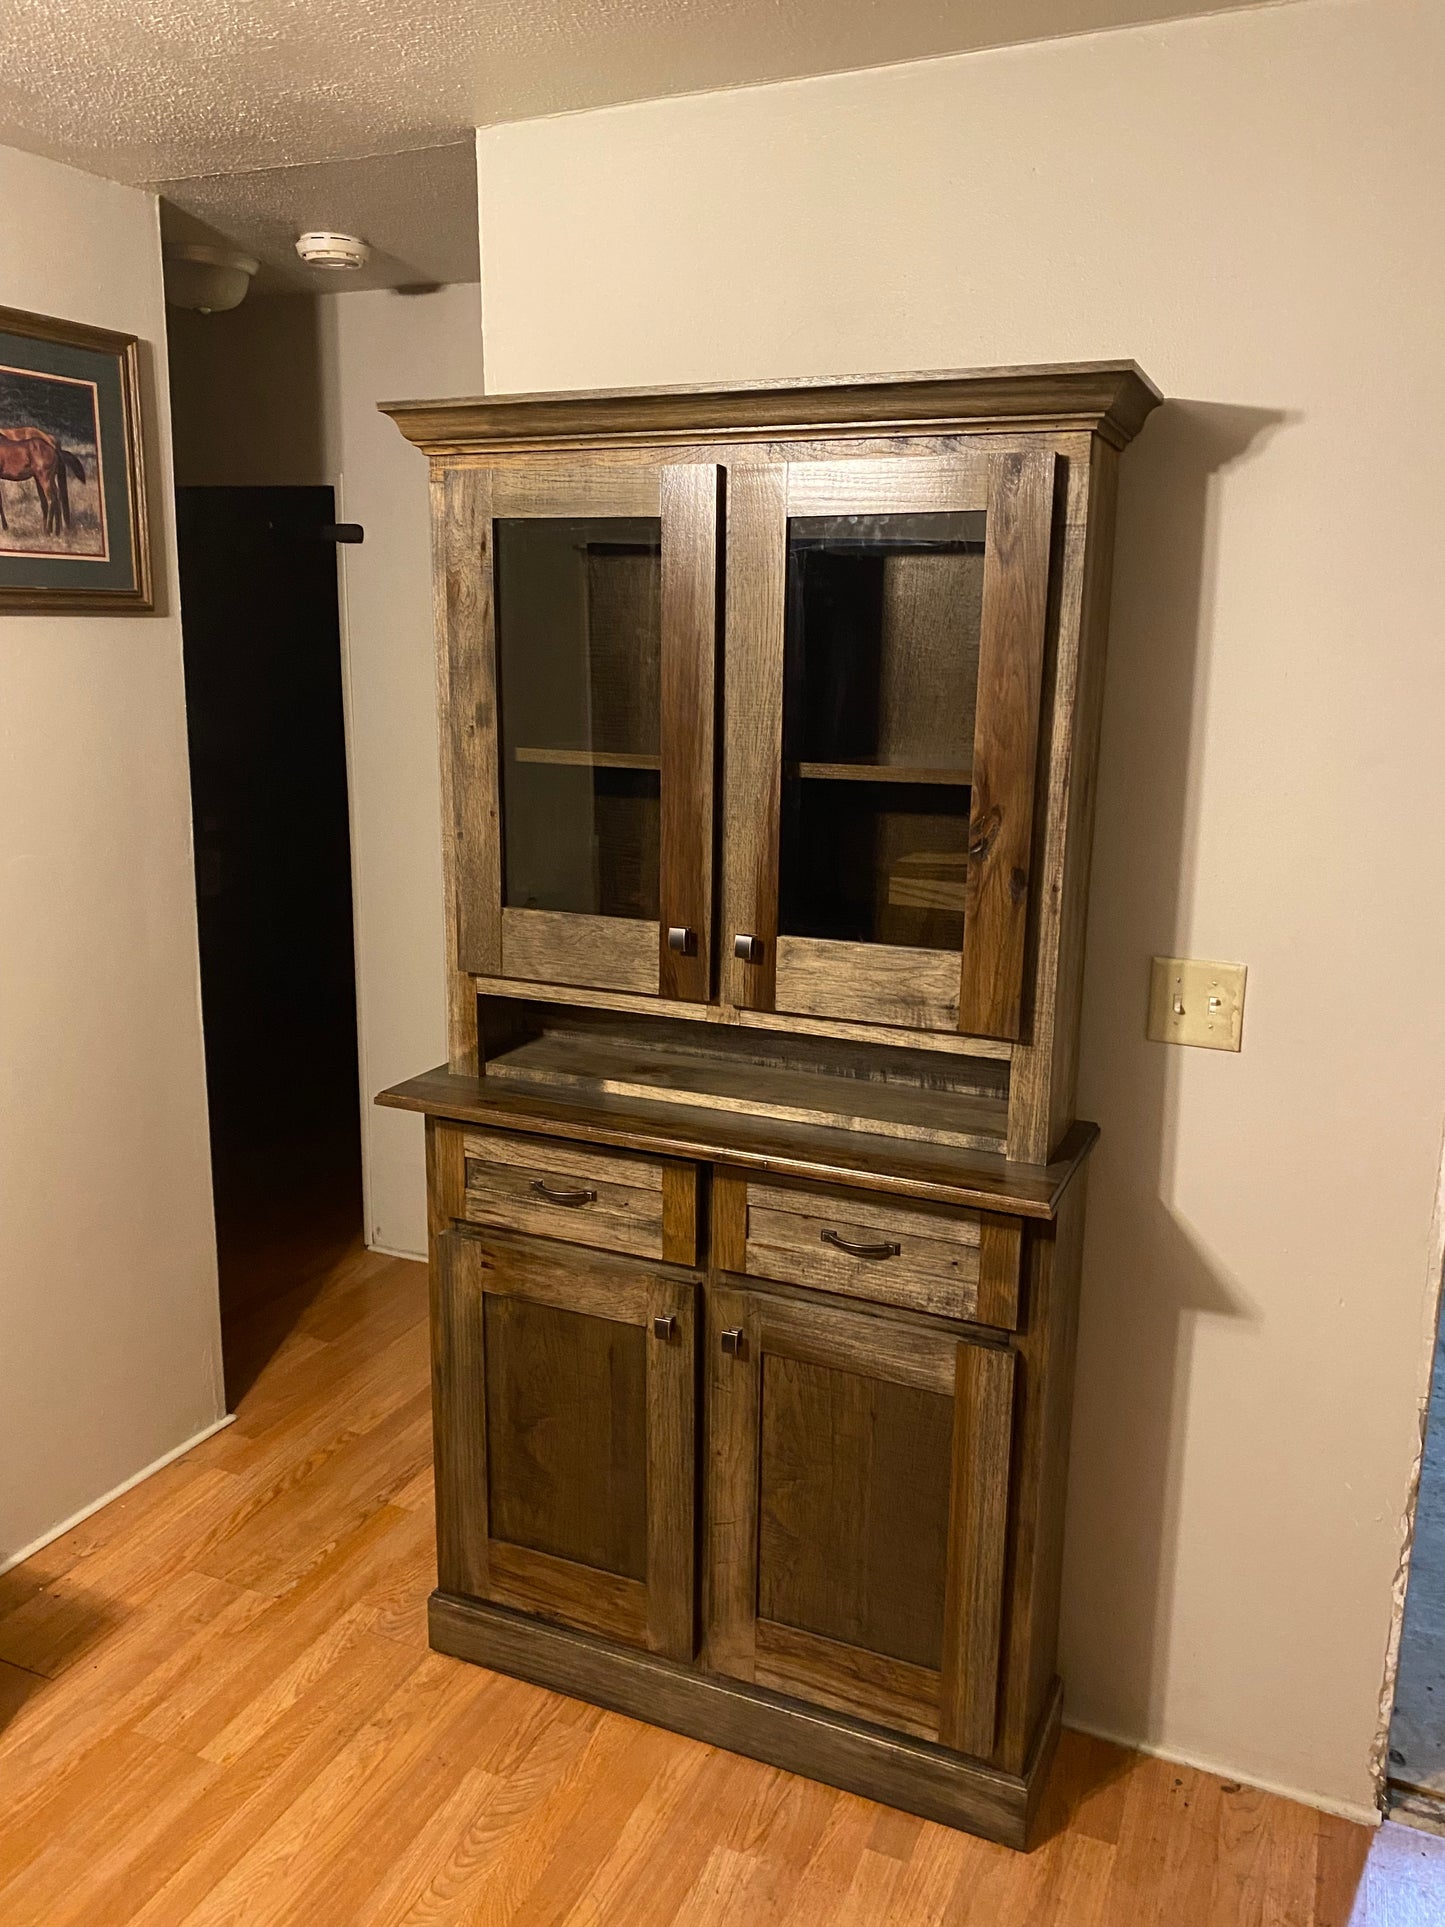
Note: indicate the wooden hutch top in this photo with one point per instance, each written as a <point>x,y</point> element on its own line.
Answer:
<point>563,1020</point>
<point>1107,398</point>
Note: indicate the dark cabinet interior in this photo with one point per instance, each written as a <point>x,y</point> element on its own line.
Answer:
<point>880,686</point>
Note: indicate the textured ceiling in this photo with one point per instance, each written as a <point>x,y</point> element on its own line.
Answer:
<point>418,210</point>
<point>257,118</point>
<point>160,90</point>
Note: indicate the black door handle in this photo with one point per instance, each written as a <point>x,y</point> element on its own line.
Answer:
<point>574,1198</point>
<point>885,1248</point>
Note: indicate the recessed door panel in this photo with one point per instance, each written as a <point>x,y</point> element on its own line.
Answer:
<point>565,1397</point>
<point>567,1434</point>
<point>859,1472</point>
<point>853,1508</point>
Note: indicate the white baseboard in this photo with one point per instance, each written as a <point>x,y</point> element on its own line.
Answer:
<point>1345,1809</point>
<point>76,1518</point>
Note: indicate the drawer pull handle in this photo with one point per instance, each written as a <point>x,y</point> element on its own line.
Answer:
<point>732,1341</point>
<point>575,1198</point>
<point>884,1249</point>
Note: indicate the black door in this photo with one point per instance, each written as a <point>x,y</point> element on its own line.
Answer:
<point>273,882</point>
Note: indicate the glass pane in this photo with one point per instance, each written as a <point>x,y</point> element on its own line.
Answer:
<point>579,605</point>
<point>879,687</point>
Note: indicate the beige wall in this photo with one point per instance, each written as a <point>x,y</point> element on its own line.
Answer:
<point>1251,206</point>
<point>384,347</point>
<point>109,1336</point>
<point>284,389</point>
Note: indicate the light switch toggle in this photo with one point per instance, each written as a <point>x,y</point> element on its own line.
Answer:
<point>1195,1002</point>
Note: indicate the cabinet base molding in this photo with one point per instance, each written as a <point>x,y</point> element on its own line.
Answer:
<point>820,1745</point>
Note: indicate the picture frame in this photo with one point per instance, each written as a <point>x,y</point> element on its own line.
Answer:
<point>74,522</point>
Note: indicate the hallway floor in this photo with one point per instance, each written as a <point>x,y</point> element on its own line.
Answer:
<point>217,1705</point>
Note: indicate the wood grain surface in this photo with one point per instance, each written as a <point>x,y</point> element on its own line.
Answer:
<point>664,1074</point>
<point>894,1166</point>
<point>757,575</point>
<point>1005,743</point>
<point>977,1545</point>
<point>691,635</point>
<point>801,1235</point>
<point>870,983</point>
<point>1112,397</point>
<point>564,1191</point>
<point>471,725</point>
<point>178,1746</point>
<point>566,947</point>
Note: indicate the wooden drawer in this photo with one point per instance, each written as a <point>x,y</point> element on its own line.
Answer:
<point>550,1188</point>
<point>930,1258</point>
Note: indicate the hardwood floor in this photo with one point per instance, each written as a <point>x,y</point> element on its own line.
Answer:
<point>217,1707</point>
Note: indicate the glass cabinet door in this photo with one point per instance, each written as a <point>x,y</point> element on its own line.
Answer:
<point>578,614</point>
<point>598,603</point>
<point>911,598</point>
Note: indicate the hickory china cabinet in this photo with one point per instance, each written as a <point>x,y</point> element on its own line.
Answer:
<point>769,721</point>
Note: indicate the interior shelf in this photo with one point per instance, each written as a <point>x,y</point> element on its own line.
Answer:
<point>614,1065</point>
<point>882,773</point>
<point>589,758</point>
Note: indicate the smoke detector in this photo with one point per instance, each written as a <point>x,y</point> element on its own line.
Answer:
<point>208,279</point>
<point>325,249</point>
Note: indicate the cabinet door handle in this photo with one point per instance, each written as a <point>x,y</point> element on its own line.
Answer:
<point>885,1248</point>
<point>747,949</point>
<point>732,1341</point>
<point>664,1327</point>
<point>680,939</point>
<point>544,1190</point>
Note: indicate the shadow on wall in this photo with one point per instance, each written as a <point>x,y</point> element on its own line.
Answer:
<point>1147,1283</point>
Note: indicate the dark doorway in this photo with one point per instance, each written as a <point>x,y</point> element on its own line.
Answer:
<point>273,889</point>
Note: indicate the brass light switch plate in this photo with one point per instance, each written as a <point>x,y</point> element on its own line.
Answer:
<point>1191,1002</point>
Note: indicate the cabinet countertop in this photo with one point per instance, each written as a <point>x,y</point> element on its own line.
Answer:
<point>943,1175</point>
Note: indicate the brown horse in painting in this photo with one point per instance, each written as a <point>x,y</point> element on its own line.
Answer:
<point>30,455</point>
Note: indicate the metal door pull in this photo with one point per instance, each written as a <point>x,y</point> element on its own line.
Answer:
<point>884,1249</point>
<point>545,1190</point>
<point>732,1341</point>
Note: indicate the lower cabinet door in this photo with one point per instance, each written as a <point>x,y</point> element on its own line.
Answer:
<point>564,1381</point>
<point>857,1502</point>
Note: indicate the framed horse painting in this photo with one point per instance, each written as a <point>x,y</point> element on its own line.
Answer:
<point>73,528</point>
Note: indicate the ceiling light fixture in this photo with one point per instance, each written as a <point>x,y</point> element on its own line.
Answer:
<point>208,279</point>
<point>326,249</point>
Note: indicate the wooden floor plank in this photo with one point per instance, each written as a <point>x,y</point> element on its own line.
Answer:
<point>149,1655</point>
<point>660,1854</point>
<point>514,1775</point>
<point>218,1709</point>
<point>253,1794</point>
<point>303,1519</point>
<point>135,1794</point>
<point>206,1701</point>
<point>818,1892</point>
